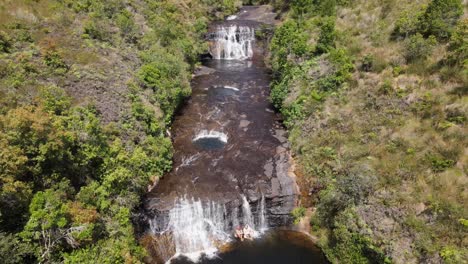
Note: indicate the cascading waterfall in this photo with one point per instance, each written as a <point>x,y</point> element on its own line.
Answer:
<point>197,227</point>
<point>262,225</point>
<point>247,213</point>
<point>233,42</point>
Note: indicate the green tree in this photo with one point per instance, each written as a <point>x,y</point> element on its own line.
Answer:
<point>440,17</point>
<point>49,222</point>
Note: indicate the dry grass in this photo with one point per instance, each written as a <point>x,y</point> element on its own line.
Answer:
<point>401,134</point>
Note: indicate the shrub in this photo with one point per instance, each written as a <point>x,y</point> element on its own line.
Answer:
<point>458,46</point>
<point>279,91</point>
<point>440,17</point>
<point>439,163</point>
<point>407,24</point>
<point>55,100</point>
<point>298,213</point>
<point>386,88</point>
<point>96,29</point>
<point>288,42</point>
<point>343,68</point>
<point>5,44</point>
<point>54,60</point>
<point>327,36</point>
<point>451,255</point>
<point>418,48</point>
<point>128,28</point>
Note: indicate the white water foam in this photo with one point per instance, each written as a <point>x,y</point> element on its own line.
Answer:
<point>233,43</point>
<point>186,161</point>
<point>230,87</point>
<point>231,17</point>
<point>262,221</point>
<point>197,227</point>
<point>247,213</point>
<point>211,134</point>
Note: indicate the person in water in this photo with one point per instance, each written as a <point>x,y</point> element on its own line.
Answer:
<point>248,232</point>
<point>239,233</point>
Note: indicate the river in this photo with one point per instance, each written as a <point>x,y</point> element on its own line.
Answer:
<point>232,165</point>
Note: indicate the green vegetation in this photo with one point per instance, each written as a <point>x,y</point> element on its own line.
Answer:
<point>376,108</point>
<point>87,91</point>
<point>298,213</point>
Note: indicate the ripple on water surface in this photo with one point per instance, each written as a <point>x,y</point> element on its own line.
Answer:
<point>277,247</point>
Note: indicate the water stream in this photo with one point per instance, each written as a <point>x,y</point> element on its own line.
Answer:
<point>231,164</point>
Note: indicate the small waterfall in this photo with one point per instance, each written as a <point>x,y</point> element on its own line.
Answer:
<point>247,213</point>
<point>262,222</point>
<point>211,134</point>
<point>197,226</point>
<point>233,42</point>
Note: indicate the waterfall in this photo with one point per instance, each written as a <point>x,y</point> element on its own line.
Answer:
<point>262,222</point>
<point>233,42</point>
<point>247,213</point>
<point>196,227</point>
<point>211,134</point>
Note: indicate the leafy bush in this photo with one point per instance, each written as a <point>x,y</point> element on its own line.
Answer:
<point>418,48</point>
<point>298,213</point>
<point>439,18</point>
<point>278,94</point>
<point>386,88</point>
<point>451,255</point>
<point>12,250</point>
<point>327,36</point>
<point>96,28</point>
<point>55,100</point>
<point>128,28</point>
<point>5,44</point>
<point>439,163</point>
<point>458,46</point>
<point>407,24</point>
<point>289,41</point>
<point>301,8</point>
<point>343,68</point>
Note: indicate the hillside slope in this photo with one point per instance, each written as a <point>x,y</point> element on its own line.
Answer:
<point>375,96</point>
<point>87,91</point>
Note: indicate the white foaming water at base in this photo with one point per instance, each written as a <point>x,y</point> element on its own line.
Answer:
<point>211,134</point>
<point>198,227</point>
<point>233,43</point>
